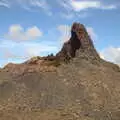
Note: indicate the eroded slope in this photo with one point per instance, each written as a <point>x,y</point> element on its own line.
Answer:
<point>78,86</point>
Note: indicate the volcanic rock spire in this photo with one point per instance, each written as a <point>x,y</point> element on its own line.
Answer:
<point>80,44</point>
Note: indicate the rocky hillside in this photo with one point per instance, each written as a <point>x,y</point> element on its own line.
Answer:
<point>76,84</point>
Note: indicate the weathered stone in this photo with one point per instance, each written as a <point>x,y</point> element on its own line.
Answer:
<point>80,41</point>
<point>44,88</point>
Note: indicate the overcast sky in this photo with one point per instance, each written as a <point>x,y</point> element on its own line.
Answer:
<point>40,27</point>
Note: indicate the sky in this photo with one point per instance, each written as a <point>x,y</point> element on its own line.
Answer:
<point>40,27</point>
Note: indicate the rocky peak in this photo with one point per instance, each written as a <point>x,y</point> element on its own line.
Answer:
<point>79,44</point>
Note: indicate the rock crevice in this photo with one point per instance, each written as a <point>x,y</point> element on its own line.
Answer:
<point>80,41</point>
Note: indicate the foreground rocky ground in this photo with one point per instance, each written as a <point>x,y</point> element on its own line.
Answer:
<point>76,84</point>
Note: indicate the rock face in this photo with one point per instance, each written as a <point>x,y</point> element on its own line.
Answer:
<point>46,88</point>
<point>78,46</point>
<point>80,43</point>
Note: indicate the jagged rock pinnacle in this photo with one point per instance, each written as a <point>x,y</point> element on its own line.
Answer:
<point>78,46</point>
<point>80,43</point>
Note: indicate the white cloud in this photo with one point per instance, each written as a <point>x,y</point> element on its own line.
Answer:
<point>83,5</point>
<point>34,32</point>
<point>67,15</point>
<point>10,54</point>
<point>19,52</point>
<point>36,49</point>
<point>82,15</point>
<point>101,56</point>
<point>72,15</point>
<point>78,8</point>
<point>111,54</point>
<point>41,4</point>
<point>17,33</point>
<point>5,3</point>
<point>30,5</point>
<point>65,32</point>
<point>92,33</point>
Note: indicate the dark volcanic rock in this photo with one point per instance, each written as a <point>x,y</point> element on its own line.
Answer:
<point>79,44</point>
